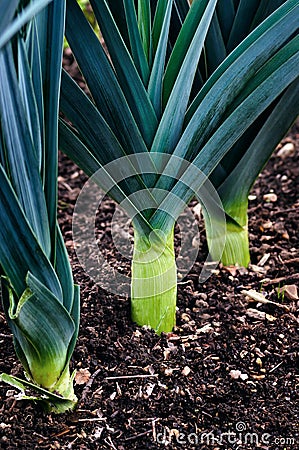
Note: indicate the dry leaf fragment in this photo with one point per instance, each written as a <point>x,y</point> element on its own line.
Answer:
<point>244,376</point>
<point>267,225</point>
<point>205,329</point>
<point>252,197</point>
<point>166,354</point>
<point>259,362</point>
<point>82,376</point>
<point>290,291</point>
<point>233,270</point>
<point>149,390</point>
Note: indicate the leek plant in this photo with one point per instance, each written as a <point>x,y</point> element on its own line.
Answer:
<point>235,174</point>
<point>40,300</point>
<point>164,91</point>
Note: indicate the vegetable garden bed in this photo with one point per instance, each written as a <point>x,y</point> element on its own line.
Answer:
<point>181,101</point>
<point>231,362</point>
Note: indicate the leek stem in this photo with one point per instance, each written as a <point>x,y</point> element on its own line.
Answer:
<point>228,242</point>
<point>154,281</point>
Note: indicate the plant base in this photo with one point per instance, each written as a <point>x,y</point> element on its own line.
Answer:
<point>154,281</point>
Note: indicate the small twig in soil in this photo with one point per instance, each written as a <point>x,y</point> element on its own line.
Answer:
<point>132,438</point>
<point>128,377</point>
<point>295,276</point>
<point>254,208</point>
<point>257,297</point>
<point>280,211</point>
<point>290,261</point>
<point>89,384</point>
<point>62,433</point>
<point>276,367</point>
<point>109,442</point>
<point>95,419</point>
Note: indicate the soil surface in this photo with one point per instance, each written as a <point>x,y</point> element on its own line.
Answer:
<point>225,378</point>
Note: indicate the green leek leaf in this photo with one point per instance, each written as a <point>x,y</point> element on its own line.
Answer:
<point>137,49</point>
<point>170,126</point>
<point>242,23</point>
<point>64,272</point>
<point>22,158</point>
<point>43,339</point>
<point>19,248</point>
<point>157,73</point>
<point>127,74</point>
<point>33,8</point>
<point>101,80</point>
<point>226,15</point>
<point>223,139</point>
<point>7,11</point>
<point>193,31</point>
<point>159,18</point>
<point>34,59</point>
<point>29,101</point>
<point>50,25</point>
<point>144,23</point>
<point>258,153</point>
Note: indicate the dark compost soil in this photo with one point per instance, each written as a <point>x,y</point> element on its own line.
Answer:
<point>226,378</point>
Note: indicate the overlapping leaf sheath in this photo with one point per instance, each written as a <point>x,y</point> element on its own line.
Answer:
<point>40,300</point>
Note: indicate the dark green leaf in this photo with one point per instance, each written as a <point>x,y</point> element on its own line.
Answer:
<point>156,78</point>
<point>242,177</point>
<point>19,249</point>
<point>29,101</point>
<point>144,23</point>
<point>170,126</point>
<point>242,23</point>
<point>33,8</point>
<point>50,24</point>
<point>130,82</point>
<point>101,80</point>
<point>137,49</point>
<point>223,139</point>
<point>22,157</point>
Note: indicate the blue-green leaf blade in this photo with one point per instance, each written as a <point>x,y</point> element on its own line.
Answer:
<point>157,72</point>
<point>29,101</point>
<point>171,124</point>
<point>127,74</point>
<point>19,249</point>
<point>22,157</point>
<point>50,25</point>
<point>225,136</point>
<point>101,80</point>
<point>136,45</point>
<point>27,13</point>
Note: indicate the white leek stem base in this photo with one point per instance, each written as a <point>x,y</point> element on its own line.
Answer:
<point>236,249</point>
<point>154,281</point>
<point>228,242</point>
